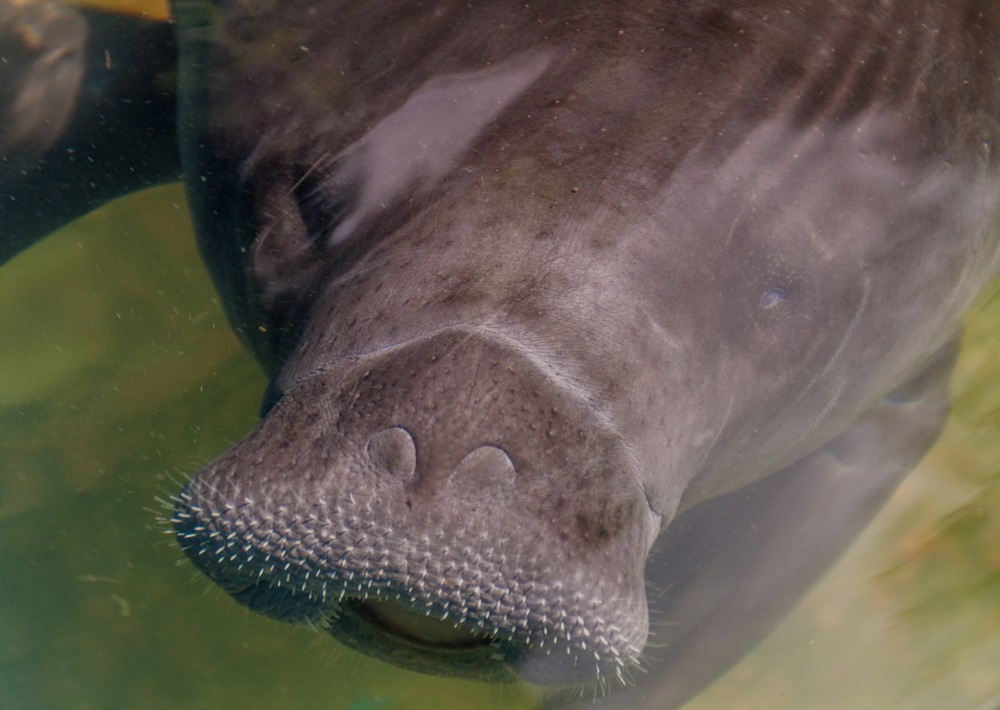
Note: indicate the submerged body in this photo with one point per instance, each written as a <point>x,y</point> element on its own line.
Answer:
<point>578,318</point>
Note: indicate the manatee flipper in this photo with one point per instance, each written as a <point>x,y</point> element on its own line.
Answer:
<point>727,571</point>
<point>87,114</point>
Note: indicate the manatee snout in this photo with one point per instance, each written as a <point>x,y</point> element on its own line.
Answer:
<point>449,504</point>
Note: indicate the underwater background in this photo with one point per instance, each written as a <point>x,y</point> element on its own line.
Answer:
<point>119,378</point>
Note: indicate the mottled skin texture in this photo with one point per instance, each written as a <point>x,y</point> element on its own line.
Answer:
<point>565,307</point>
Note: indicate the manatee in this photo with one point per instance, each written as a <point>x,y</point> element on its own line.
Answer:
<point>595,332</point>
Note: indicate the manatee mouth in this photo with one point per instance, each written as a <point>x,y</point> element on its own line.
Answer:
<point>369,620</point>
<point>420,629</point>
<point>420,641</point>
<point>464,544</point>
<point>425,642</point>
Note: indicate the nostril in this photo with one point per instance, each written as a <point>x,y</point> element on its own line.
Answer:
<point>485,465</point>
<point>392,450</point>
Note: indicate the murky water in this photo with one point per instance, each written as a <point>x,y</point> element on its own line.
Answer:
<point>119,378</point>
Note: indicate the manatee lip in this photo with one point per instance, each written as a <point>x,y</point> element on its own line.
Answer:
<point>419,629</point>
<point>426,633</point>
<point>421,643</point>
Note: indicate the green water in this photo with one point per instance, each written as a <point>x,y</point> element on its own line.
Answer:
<point>119,377</point>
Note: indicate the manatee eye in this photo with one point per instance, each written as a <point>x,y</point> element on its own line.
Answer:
<point>772,297</point>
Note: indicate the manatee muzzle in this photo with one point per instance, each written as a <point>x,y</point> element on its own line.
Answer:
<point>451,505</point>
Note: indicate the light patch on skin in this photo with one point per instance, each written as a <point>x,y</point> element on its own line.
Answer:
<point>417,145</point>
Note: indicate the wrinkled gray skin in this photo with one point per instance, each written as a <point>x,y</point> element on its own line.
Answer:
<point>596,330</point>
